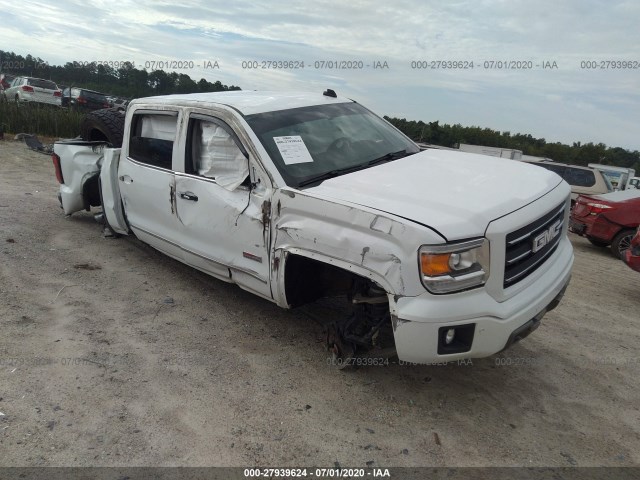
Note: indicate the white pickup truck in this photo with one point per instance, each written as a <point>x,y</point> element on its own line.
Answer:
<point>439,255</point>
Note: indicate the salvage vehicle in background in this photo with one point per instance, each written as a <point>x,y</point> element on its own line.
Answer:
<point>32,90</point>
<point>117,101</point>
<point>609,219</point>
<point>84,99</point>
<point>296,197</point>
<point>583,180</point>
<point>5,81</point>
<point>632,255</point>
<point>619,177</point>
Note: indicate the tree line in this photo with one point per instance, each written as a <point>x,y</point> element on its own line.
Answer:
<point>131,82</point>
<point>124,81</point>
<point>574,154</point>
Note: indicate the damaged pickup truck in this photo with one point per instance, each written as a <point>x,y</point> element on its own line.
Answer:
<point>438,255</point>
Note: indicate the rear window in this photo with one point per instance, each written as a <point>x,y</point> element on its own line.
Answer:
<point>579,177</point>
<point>98,97</point>
<point>576,177</point>
<point>47,84</point>
<point>559,169</point>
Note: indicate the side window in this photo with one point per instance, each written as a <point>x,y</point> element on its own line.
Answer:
<point>213,151</point>
<point>152,137</point>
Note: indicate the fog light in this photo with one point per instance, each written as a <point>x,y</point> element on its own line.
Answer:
<point>451,333</point>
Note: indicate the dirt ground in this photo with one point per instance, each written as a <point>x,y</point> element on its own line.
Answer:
<point>113,354</point>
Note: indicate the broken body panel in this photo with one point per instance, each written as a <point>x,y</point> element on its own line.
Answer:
<point>369,225</point>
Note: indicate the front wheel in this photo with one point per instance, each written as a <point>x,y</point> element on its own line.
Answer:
<point>621,243</point>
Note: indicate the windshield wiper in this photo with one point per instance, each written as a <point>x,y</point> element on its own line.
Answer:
<point>388,157</point>
<point>331,174</point>
<point>341,171</point>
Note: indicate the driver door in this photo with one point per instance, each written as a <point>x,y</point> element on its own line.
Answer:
<point>221,216</point>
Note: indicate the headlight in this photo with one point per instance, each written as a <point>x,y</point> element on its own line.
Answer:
<point>454,266</point>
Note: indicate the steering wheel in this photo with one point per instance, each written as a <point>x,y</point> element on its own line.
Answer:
<point>341,143</point>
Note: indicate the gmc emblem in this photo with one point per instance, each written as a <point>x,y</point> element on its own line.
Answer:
<point>545,237</point>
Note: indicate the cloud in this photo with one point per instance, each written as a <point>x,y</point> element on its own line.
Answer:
<point>586,104</point>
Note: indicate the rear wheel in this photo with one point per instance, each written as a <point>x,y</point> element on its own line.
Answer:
<point>597,243</point>
<point>621,243</point>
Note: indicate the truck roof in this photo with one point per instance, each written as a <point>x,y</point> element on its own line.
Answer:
<point>246,102</point>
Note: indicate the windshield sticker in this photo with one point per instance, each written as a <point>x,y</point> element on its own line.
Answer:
<point>293,149</point>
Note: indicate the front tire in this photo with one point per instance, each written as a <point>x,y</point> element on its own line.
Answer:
<point>621,243</point>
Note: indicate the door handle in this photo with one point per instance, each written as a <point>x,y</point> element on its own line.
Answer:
<point>126,179</point>
<point>188,196</point>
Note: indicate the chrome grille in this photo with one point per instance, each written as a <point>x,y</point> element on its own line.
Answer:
<point>528,247</point>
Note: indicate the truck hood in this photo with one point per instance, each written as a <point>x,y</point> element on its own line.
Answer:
<point>456,194</point>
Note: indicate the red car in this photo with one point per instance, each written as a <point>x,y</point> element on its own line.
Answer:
<point>5,81</point>
<point>632,256</point>
<point>609,219</point>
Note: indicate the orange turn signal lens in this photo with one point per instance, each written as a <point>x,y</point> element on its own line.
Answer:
<point>435,263</point>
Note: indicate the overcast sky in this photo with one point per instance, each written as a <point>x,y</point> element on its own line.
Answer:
<point>566,104</point>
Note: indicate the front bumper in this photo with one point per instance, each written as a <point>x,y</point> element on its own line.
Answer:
<point>488,326</point>
<point>597,227</point>
<point>577,227</point>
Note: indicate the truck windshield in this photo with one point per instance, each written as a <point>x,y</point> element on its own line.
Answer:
<point>310,144</point>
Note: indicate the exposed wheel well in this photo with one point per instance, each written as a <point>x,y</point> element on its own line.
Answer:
<point>91,192</point>
<point>364,328</point>
<point>307,280</point>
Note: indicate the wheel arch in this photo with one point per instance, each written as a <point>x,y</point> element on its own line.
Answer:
<point>292,262</point>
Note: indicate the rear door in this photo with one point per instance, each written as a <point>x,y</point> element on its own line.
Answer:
<point>146,178</point>
<point>110,191</point>
<point>223,217</point>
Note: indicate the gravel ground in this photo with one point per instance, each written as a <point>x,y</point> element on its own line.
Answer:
<point>112,354</point>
